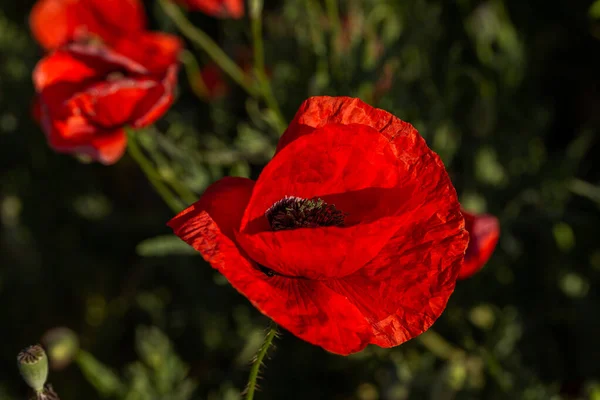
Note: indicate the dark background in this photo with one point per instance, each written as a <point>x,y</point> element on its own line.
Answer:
<point>507,92</point>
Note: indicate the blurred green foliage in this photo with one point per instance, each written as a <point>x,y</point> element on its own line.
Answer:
<point>506,92</point>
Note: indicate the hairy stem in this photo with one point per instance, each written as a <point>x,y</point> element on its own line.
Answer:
<point>258,361</point>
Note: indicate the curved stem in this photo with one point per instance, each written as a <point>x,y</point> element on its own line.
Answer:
<point>438,346</point>
<point>152,175</point>
<point>256,7</point>
<point>200,38</point>
<point>194,74</point>
<point>258,361</point>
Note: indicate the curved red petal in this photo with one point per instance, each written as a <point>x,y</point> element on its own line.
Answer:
<point>484,231</point>
<point>224,201</point>
<point>57,22</point>
<point>217,8</point>
<point>156,51</point>
<point>104,147</point>
<point>322,110</point>
<point>49,23</point>
<point>355,168</point>
<point>114,103</point>
<point>403,290</point>
<point>157,101</point>
<point>308,309</point>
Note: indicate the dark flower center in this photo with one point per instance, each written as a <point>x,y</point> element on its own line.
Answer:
<point>295,212</point>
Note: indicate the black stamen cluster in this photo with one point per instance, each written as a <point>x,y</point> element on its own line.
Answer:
<point>295,212</point>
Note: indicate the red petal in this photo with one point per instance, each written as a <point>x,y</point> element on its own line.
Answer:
<point>322,110</point>
<point>157,100</point>
<point>405,288</point>
<point>113,104</point>
<point>484,231</point>
<point>58,22</point>
<point>308,309</point>
<point>224,201</point>
<point>49,23</point>
<point>105,147</point>
<point>217,8</point>
<point>156,51</point>
<point>353,167</point>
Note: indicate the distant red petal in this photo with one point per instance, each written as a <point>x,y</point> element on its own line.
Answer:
<point>217,8</point>
<point>49,23</point>
<point>484,231</point>
<point>57,22</point>
<point>112,104</point>
<point>156,51</point>
<point>157,100</point>
<point>78,64</point>
<point>106,148</point>
<point>309,309</point>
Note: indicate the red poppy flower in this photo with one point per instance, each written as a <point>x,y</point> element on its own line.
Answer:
<point>89,93</point>
<point>58,22</point>
<point>217,8</point>
<point>351,235</point>
<point>484,231</point>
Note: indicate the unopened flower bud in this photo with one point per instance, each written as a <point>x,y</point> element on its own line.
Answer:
<point>33,366</point>
<point>62,345</point>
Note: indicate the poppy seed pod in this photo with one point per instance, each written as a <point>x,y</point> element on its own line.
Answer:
<point>33,366</point>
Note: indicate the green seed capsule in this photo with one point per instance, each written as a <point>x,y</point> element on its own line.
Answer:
<point>33,366</point>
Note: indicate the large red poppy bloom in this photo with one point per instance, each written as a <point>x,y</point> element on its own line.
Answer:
<point>484,232</point>
<point>217,8</point>
<point>351,235</point>
<point>88,94</point>
<point>58,22</point>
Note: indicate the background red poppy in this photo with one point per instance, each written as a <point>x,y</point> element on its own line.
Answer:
<point>484,232</point>
<point>89,93</point>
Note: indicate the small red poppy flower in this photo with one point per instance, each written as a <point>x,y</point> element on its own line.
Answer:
<point>351,235</point>
<point>484,232</point>
<point>88,94</point>
<point>217,8</point>
<point>57,22</point>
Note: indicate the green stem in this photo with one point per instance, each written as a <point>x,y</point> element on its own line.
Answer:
<point>251,387</point>
<point>333,14</point>
<point>194,75</point>
<point>200,38</point>
<point>439,346</point>
<point>256,7</point>
<point>152,175</point>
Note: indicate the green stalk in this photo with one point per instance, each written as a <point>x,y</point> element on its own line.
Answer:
<point>202,40</point>
<point>438,346</point>
<point>258,360</point>
<point>256,7</point>
<point>153,176</point>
